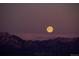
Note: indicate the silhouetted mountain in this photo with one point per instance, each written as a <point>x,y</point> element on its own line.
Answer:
<point>13,45</point>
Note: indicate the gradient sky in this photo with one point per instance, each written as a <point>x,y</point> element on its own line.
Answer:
<point>34,18</point>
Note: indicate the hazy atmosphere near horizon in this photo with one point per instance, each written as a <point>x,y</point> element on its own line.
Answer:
<point>35,18</point>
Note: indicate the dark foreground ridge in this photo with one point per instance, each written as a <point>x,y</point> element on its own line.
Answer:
<point>11,45</point>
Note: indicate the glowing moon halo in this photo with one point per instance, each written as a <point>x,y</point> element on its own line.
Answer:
<point>50,29</point>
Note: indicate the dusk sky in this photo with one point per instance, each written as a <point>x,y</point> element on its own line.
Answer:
<point>34,18</point>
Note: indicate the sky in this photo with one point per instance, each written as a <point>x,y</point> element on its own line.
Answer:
<point>35,18</point>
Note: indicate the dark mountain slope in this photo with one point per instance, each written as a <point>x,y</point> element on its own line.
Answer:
<point>15,46</point>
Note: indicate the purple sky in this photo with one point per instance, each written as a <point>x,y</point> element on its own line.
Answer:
<point>34,18</point>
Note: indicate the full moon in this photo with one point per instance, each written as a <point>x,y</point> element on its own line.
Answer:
<point>50,29</point>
